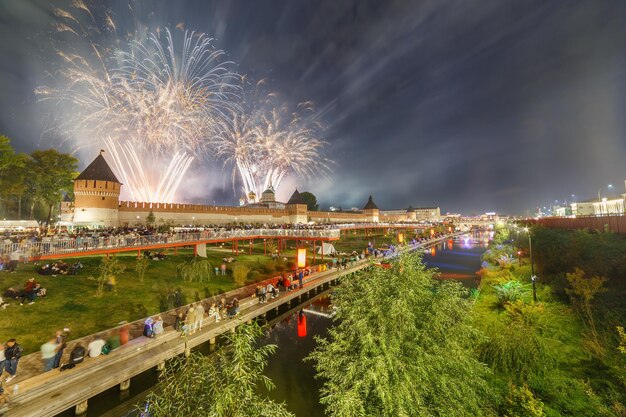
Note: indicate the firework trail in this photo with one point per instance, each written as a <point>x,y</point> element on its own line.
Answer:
<point>150,104</point>
<point>265,142</point>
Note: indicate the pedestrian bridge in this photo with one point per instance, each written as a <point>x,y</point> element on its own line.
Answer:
<point>56,247</point>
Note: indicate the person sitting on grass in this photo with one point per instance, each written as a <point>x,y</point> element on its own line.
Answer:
<point>30,291</point>
<point>3,305</point>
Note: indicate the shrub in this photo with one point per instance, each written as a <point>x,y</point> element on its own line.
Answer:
<point>509,292</point>
<point>267,268</point>
<point>196,270</point>
<point>521,402</point>
<point>240,273</point>
<point>253,276</point>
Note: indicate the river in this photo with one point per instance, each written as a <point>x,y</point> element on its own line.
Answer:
<point>295,381</point>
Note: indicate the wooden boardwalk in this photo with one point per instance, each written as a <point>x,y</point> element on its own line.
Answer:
<point>53,392</point>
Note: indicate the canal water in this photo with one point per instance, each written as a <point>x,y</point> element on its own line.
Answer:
<point>295,334</point>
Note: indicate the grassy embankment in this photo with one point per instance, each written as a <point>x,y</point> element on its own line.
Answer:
<point>548,352</point>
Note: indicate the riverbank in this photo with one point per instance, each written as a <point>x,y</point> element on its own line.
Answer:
<point>544,355</point>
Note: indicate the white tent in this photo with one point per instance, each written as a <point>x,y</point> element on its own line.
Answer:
<point>326,249</point>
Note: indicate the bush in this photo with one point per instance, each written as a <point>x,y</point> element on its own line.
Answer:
<point>196,270</point>
<point>509,292</point>
<point>253,276</point>
<point>521,402</point>
<point>267,268</point>
<point>240,274</point>
<point>280,267</point>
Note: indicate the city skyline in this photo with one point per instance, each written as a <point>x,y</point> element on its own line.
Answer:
<point>500,107</point>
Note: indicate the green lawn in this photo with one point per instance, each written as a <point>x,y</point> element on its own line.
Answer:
<point>72,301</point>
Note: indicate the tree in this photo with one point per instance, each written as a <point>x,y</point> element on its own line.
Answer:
<point>108,270</point>
<point>582,290</point>
<point>150,219</point>
<point>141,266</point>
<point>401,345</point>
<point>7,155</point>
<point>53,173</point>
<point>196,270</point>
<point>21,171</point>
<point>240,274</point>
<point>311,201</point>
<point>225,385</point>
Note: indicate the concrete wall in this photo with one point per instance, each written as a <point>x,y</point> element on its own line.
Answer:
<point>615,224</point>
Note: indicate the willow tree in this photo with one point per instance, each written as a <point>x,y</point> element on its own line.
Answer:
<point>401,345</point>
<point>223,385</point>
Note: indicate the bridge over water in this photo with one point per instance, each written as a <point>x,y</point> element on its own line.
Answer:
<point>57,247</point>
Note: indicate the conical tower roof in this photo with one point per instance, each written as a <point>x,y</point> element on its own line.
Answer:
<point>296,198</point>
<point>370,204</point>
<point>98,170</point>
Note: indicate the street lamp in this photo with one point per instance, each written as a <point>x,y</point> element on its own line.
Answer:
<point>600,198</point>
<point>533,277</point>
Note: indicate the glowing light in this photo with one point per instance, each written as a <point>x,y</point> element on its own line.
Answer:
<point>301,257</point>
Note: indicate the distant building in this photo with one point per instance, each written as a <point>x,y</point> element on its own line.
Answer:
<point>411,214</point>
<point>602,206</point>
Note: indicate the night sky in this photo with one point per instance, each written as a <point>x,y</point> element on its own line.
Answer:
<point>473,105</point>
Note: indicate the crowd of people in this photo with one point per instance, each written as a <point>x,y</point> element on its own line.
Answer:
<point>188,321</point>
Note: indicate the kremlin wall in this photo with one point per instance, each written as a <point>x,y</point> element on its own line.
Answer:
<point>96,204</point>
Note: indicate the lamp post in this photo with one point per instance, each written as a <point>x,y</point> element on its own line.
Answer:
<point>533,277</point>
<point>600,198</point>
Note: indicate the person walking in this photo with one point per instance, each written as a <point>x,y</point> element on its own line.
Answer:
<point>12,352</point>
<point>300,277</point>
<point>191,319</point>
<point>223,267</point>
<point>199,316</point>
<point>48,352</point>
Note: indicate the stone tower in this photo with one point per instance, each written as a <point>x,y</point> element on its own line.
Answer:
<point>96,195</point>
<point>370,210</point>
<point>296,206</point>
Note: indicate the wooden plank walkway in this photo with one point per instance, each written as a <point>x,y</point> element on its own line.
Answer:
<point>53,392</point>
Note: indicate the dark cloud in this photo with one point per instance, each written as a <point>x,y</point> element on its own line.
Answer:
<point>472,105</point>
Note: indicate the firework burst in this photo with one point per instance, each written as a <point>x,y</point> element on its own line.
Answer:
<point>265,142</point>
<point>150,104</point>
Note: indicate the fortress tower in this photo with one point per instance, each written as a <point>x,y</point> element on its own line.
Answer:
<point>96,195</point>
<point>370,210</point>
<point>296,206</point>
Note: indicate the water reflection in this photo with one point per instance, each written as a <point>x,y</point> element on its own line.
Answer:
<point>459,258</point>
<point>294,378</point>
